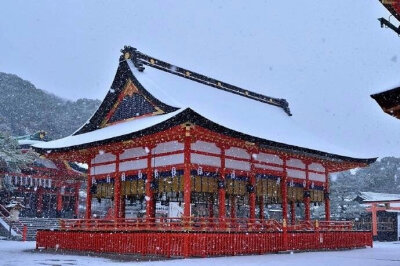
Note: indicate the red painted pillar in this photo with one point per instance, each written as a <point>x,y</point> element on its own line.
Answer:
<point>187,192</point>
<point>233,206</point>
<point>59,201</point>
<point>326,196</point>
<point>284,206</point>
<point>284,193</point>
<point>307,197</point>
<point>186,175</point>
<point>88,211</point>
<point>252,194</point>
<point>150,204</point>
<point>292,213</point>
<point>374,220</point>
<point>117,190</point>
<point>261,206</point>
<point>76,207</point>
<point>221,186</point>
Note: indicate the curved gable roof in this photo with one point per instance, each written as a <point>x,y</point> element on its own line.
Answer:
<point>182,98</point>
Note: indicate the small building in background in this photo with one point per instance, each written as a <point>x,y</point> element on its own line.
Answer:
<point>383,215</point>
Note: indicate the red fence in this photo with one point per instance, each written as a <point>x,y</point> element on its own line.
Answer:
<point>199,238</point>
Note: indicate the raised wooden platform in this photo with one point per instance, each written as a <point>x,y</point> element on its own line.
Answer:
<point>195,241</point>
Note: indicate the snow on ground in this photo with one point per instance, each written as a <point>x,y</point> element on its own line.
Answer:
<point>14,253</point>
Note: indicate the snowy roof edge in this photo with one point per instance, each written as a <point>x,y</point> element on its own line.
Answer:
<point>139,59</point>
<point>189,115</point>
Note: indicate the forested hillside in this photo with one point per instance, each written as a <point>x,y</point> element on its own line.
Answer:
<point>24,109</point>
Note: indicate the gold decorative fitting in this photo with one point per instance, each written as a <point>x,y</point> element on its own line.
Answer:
<point>152,61</point>
<point>219,84</point>
<point>246,92</point>
<point>127,55</point>
<point>187,73</point>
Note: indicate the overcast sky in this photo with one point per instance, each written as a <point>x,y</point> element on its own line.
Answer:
<point>324,57</point>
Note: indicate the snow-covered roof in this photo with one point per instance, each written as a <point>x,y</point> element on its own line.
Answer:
<point>232,111</point>
<point>378,197</point>
<point>28,141</point>
<point>177,94</point>
<point>106,133</point>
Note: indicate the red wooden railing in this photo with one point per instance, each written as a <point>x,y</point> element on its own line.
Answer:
<point>200,237</point>
<point>199,244</point>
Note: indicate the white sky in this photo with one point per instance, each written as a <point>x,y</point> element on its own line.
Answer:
<point>324,57</point>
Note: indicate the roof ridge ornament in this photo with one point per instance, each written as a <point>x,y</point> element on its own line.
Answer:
<point>139,60</point>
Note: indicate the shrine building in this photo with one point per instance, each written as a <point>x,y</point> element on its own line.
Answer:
<point>223,155</point>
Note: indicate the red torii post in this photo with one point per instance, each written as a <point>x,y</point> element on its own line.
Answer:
<point>374,220</point>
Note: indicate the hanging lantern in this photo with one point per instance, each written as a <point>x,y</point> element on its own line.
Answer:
<point>278,180</point>
<point>200,170</point>
<point>304,183</point>
<point>108,179</point>
<point>140,174</point>
<point>49,183</point>
<point>233,175</point>
<point>173,171</point>
<point>312,185</point>
<point>123,177</point>
<point>93,180</point>
<point>291,184</point>
<point>155,173</point>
